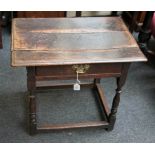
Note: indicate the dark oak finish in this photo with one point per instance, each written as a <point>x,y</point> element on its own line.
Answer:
<point>120,82</point>
<point>46,58</point>
<point>50,48</point>
<point>47,85</point>
<point>73,125</point>
<point>62,41</point>
<point>66,71</point>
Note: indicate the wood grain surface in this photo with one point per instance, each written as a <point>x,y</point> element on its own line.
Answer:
<point>59,41</point>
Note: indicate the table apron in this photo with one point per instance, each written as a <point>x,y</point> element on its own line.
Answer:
<point>67,71</point>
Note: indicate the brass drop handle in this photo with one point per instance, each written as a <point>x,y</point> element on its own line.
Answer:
<point>82,68</point>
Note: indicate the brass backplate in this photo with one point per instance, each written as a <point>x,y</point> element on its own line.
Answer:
<point>82,68</point>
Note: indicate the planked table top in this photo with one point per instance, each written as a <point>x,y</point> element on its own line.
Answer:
<point>59,41</point>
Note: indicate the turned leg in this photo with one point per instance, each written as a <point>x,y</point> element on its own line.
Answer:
<point>120,82</point>
<point>31,85</point>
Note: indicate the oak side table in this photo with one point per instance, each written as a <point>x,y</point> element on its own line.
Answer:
<point>62,48</point>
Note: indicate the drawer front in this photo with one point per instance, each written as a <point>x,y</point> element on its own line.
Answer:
<point>68,71</point>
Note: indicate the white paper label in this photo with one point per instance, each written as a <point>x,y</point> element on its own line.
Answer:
<point>76,86</point>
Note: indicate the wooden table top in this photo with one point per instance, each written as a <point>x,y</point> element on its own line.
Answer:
<point>58,41</point>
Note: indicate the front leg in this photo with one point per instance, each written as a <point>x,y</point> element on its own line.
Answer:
<point>120,82</point>
<point>31,84</point>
